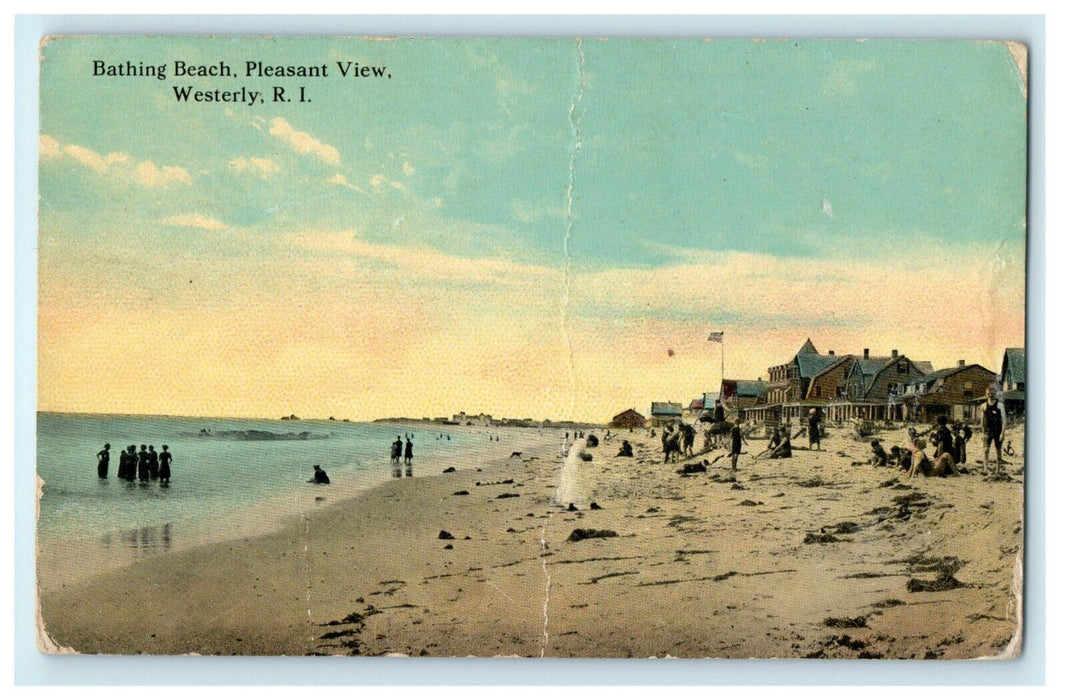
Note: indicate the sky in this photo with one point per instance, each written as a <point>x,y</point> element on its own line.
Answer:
<point>534,228</point>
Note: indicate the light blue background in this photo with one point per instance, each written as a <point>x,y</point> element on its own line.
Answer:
<point>31,667</point>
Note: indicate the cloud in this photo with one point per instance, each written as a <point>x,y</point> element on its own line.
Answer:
<point>341,180</point>
<point>194,221</point>
<point>117,166</point>
<point>259,167</point>
<point>379,181</point>
<point>303,142</point>
<point>95,161</point>
<point>420,262</point>
<point>48,148</point>
<point>151,175</point>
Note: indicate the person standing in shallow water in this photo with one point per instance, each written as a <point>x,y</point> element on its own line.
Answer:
<point>409,452</point>
<point>153,463</point>
<point>103,457</point>
<point>164,467</point>
<point>142,464</point>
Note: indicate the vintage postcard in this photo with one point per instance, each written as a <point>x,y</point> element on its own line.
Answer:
<point>560,347</point>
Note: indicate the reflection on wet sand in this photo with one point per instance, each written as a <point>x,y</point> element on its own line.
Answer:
<point>150,540</point>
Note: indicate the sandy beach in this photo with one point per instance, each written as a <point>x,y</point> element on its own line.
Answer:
<point>805,557</point>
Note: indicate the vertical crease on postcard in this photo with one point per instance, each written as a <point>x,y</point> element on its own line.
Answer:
<point>575,118</point>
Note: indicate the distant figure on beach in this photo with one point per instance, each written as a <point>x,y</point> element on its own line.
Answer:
<point>992,428</point>
<point>408,452</point>
<point>592,441</point>
<point>814,437</point>
<point>878,456</point>
<point>720,413</point>
<point>319,477</point>
<point>736,438</point>
<point>153,463</point>
<point>627,449</point>
<point>784,450</point>
<point>102,459</point>
<point>396,451</point>
<point>164,466</point>
<point>962,435</point>
<point>142,464</point>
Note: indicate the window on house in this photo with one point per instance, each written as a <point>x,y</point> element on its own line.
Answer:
<point>902,367</point>
<point>968,385</point>
<point>818,391</point>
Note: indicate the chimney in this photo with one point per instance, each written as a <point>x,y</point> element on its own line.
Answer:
<point>866,353</point>
<point>962,363</point>
<point>894,353</point>
<point>831,353</point>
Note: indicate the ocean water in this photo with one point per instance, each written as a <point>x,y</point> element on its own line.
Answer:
<point>221,487</point>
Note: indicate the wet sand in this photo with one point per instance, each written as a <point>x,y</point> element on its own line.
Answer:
<point>791,558</point>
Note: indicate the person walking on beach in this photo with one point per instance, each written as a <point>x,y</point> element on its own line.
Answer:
<point>992,428</point>
<point>102,459</point>
<point>153,463</point>
<point>736,438</point>
<point>408,452</point>
<point>164,467</point>
<point>142,464</point>
<point>814,437</point>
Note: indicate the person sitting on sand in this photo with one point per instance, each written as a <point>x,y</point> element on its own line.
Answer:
<point>814,437</point>
<point>102,459</point>
<point>784,450</point>
<point>164,466</point>
<point>319,477</point>
<point>878,456</point>
<point>900,458</point>
<point>921,464</point>
<point>776,439</point>
<point>627,449</point>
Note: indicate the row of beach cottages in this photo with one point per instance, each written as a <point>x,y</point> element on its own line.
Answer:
<point>853,387</point>
<point>868,387</point>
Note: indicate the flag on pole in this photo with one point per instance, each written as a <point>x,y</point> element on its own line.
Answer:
<point>715,337</point>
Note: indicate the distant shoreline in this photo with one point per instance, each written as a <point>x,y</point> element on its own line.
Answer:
<point>562,425</point>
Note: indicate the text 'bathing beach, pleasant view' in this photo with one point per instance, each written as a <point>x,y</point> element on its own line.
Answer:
<point>515,537</point>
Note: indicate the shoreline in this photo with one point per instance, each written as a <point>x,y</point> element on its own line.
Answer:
<point>700,567</point>
<point>119,548</point>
